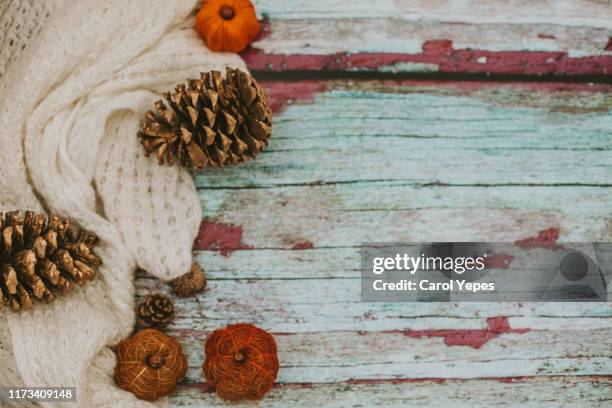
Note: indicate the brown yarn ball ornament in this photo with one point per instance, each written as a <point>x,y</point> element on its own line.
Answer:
<point>149,364</point>
<point>241,362</point>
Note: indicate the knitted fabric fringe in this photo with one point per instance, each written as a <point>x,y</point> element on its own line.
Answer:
<point>71,106</point>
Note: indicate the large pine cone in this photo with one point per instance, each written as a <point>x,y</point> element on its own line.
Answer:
<point>41,258</point>
<point>214,121</point>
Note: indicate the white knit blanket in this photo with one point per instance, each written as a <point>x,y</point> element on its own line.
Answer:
<point>75,83</point>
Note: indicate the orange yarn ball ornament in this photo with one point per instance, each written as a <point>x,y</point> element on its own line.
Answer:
<point>227,25</point>
<point>149,364</point>
<point>241,362</point>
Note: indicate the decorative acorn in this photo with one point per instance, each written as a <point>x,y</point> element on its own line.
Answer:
<point>149,364</point>
<point>42,257</point>
<point>191,283</point>
<point>241,362</point>
<point>213,121</point>
<point>155,311</point>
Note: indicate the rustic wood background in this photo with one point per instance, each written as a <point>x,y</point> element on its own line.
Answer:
<point>388,127</point>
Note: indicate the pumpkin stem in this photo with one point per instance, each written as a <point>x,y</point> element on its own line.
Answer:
<point>227,12</point>
<point>240,357</point>
<point>155,360</point>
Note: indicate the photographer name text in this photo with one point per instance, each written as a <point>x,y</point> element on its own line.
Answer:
<point>412,265</point>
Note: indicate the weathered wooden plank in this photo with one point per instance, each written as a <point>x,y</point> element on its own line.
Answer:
<point>434,136</point>
<point>312,305</point>
<point>554,96</point>
<point>450,36</point>
<point>360,212</point>
<point>583,392</point>
<point>288,264</point>
<point>345,356</point>
<point>564,12</point>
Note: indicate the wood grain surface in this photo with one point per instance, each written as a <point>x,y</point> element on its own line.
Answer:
<point>393,159</point>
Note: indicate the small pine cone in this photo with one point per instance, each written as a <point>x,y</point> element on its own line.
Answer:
<point>41,258</point>
<point>191,283</point>
<point>156,311</point>
<point>213,121</point>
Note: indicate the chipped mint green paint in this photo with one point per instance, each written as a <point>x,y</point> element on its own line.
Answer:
<point>408,67</point>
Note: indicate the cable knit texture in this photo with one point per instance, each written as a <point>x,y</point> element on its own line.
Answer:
<point>76,81</point>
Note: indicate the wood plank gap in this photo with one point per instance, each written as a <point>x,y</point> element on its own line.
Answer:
<point>419,185</point>
<point>303,75</point>
<point>374,381</point>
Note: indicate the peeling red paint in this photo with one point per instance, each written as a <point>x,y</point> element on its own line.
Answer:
<point>547,36</point>
<point>475,338</point>
<point>282,93</point>
<point>545,239</point>
<point>559,378</point>
<point>225,238</point>
<point>191,334</point>
<point>499,261</point>
<point>437,47</point>
<point>441,53</point>
<point>298,385</point>
<point>510,380</point>
<point>303,245</point>
<point>608,46</point>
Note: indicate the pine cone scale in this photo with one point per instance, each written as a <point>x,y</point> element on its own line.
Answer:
<point>197,155</point>
<point>49,271</point>
<point>9,280</point>
<point>51,238</point>
<point>7,239</point>
<point>23,298</point>
<point>258,128</point>
<point>40,247</point>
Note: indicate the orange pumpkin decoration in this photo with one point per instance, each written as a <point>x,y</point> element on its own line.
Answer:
<point>227,25</point>
<point>241,362</point>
